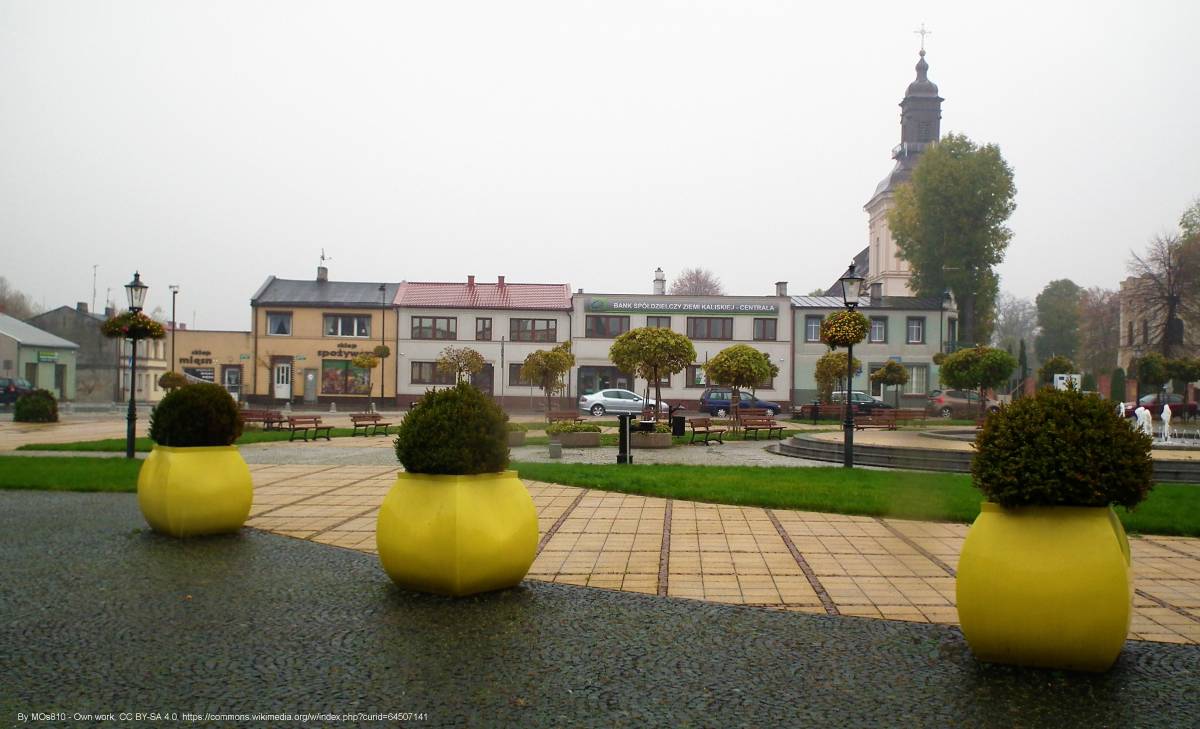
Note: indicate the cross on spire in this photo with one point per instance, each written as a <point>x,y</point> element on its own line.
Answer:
<point>922,32</point>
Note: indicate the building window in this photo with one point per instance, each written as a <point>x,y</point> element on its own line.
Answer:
<point>483,329</point>
<point>916,330</point>
<point>340,377</point>
<point>664,381</point>
<point>514,376</point>
<point>279,323</point>
<point>347,325</point>
<point>812,328</point>
<point>605,326</point>
<point>876,387</point>
<point>878,333</point>
<point>918,380</point>
<point>952,335</point>
<point>764,329</point>
<point>710,327</point>
<point>533,330</point>
<point>695,377</point>
<point>658,322</point>
<point>427,373</point>
<point>434,327</point>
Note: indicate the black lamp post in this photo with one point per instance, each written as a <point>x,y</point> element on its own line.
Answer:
<point>135,290</point>
<point>382,341</point>
<point>946,297</point>
<point>174,325</point>
<point>851,285</point>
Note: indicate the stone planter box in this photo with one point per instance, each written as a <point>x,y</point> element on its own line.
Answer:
<point>650,440</point>
<point>577,440</point>
<point>516,438</point>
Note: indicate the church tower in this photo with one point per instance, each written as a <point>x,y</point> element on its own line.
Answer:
<point>920,128</point>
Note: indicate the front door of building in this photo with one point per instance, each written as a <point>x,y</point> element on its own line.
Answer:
<point>310,386</point>
<point>483,379</point>
<point>231,378</point>
<point>283,380</point>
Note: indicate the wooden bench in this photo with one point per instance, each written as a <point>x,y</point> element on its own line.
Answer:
<point>374,421</point>
<point>889,419</point>
<point>270,419</point>
<point>704,426</point>
<point>823,412</point>
<point>304,423</point>
<point>569,416</point>
<point>756,419</point>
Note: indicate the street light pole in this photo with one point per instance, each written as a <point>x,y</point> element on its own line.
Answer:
<point>174,323</point>
<point>851,284</point>
<point>135,290</point>
<point>382,341</point>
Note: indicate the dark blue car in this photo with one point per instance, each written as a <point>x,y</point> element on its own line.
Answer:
<point>715,401</point>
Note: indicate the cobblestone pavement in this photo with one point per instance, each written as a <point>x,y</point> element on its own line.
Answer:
<point>799,561</point>
<point>105,616</point>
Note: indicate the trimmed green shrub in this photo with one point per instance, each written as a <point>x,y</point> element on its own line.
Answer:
<point>194,416</point>
<point>1089,382</point>
<point>516,427</point>
<point>1116,386</point>
<point>1061,448</point>
<point>454,431</point>
<point>38,406</point>
<point>563,427</point>
<point>172,380</point>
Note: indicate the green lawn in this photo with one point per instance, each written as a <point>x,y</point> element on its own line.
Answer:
<point>1170,509</point>
<point>68,474</point>
<point>144,445</point>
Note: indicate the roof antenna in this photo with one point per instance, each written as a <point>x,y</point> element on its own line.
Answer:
<point>325,257</point>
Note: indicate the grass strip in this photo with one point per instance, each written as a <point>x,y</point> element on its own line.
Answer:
<point>68,474</point>
<point>1170,509</point>
<point>144,445</point>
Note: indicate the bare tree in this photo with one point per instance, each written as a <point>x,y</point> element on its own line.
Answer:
<point>1016,319</point>
<point>1164,288</point>
<point>1099,330</point>
<point>16,304</point>
<point>697,282</point>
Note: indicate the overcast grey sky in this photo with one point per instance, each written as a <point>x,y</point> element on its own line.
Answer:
<point>211,144</point>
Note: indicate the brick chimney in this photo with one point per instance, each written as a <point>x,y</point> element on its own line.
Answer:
<point>322,273</point>
<point>781,288</point>
<point>470,281</point>
<point>660,282</point>
<point>500,282</point>
<point>81,307</point>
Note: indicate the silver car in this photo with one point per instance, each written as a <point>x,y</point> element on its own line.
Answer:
<point>615,400</point>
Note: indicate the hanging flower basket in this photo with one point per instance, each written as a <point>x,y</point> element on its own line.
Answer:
<point>133,326</point>
<point>844,328</point>
<point>365,361</point>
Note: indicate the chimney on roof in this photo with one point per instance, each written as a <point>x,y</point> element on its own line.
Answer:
<point>500,282</point>
<point>660,282</point>
<point>581,290</point>
<point>322,274</point>
<point>470,281</point>
<point>781,288</point>
<point>876,292</point>
<point>110,311</point>
<point>81,307</point>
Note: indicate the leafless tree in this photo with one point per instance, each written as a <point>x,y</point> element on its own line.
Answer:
<point>697,282</point>
<point>1016,319</point>
<point>1166,277</point>
<point>1099,330</point>
<point>16,304</point>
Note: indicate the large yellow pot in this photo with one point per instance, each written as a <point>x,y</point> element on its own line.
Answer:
<point>186,492</point>
<point>1046,586</point>
<point>457,535</point>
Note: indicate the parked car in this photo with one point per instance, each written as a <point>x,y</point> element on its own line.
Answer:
<point>12,388</point>
<point>1150,402</point>
<point>715,401</point>
<point>958,404</point>
<point>614,400</point>
<point>862,402</point>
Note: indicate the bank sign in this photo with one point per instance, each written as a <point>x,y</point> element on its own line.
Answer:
<point>602,305</point>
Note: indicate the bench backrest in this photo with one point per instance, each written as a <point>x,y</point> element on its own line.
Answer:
<point>752,413</point>
<point>359,417</point>
<point>700,422</point>
<point>304,420</point>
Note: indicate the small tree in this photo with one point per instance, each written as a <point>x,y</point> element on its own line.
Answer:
<point>1182,371</point>
<point>462,361</point>
<point>1151,370</point>
<point>740,366</point>
<point>1056,365</point>
<point>977,368</point>
<point>697,282</point>
<point>546,367</point>
<point>891,374</point>
<point>830,369</point>
<point>650,353</point>
<point>1116,385</point>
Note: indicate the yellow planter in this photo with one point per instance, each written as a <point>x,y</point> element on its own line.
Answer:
<point>187,492</point>
<point>457,535</point>
<point>1046,586</point>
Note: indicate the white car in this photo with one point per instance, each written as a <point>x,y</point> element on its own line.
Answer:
<point>615,400</point>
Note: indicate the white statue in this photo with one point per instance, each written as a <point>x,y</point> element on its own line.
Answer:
<point>1143,420</point>
<point>1166,421</point>
<point>1121,410</point>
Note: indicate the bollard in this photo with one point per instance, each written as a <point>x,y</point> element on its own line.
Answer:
<point>624,425</point>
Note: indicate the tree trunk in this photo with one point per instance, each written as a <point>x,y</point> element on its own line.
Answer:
<point>657,394</point>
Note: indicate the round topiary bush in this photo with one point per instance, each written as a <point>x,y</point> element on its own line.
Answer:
<point>172,380</point>
<point>196,415</point>
<point>454,431</point>
<point>38,406</point>
<point>1061,448</point>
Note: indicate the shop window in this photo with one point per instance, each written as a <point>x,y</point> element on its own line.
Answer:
<point>533,330</point>
<point>279,323</point>
<point>658,322</point>
<point>605,326</point>
<point>765,329</point>
<point>812,328</point>
<point>347,325</point>
<point>878,334</point>
<point>710,327</point>
<point>918,380</point>
<point>340,377</point>
<point>427,373</point>
<point>434,327</point>
<point>483,329</point>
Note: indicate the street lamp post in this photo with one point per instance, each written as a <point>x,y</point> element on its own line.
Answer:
<point>174,323</point>
<point>382,342</point>
<point>135,290</point>
<point>946,296</point>
<point>851,284</point>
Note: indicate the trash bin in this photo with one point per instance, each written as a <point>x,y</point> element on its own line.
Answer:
<point>816,408</point>
<point>677,425</point>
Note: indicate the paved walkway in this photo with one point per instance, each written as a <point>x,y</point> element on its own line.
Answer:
<point>800,561</point>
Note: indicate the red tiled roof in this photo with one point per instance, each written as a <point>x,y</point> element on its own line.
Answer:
<point>484,295</point>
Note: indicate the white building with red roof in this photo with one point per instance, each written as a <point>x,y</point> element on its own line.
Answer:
<point>502,321</point>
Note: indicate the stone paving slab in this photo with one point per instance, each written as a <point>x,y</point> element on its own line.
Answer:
<point>105,616</point>
<point>797,561</point>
